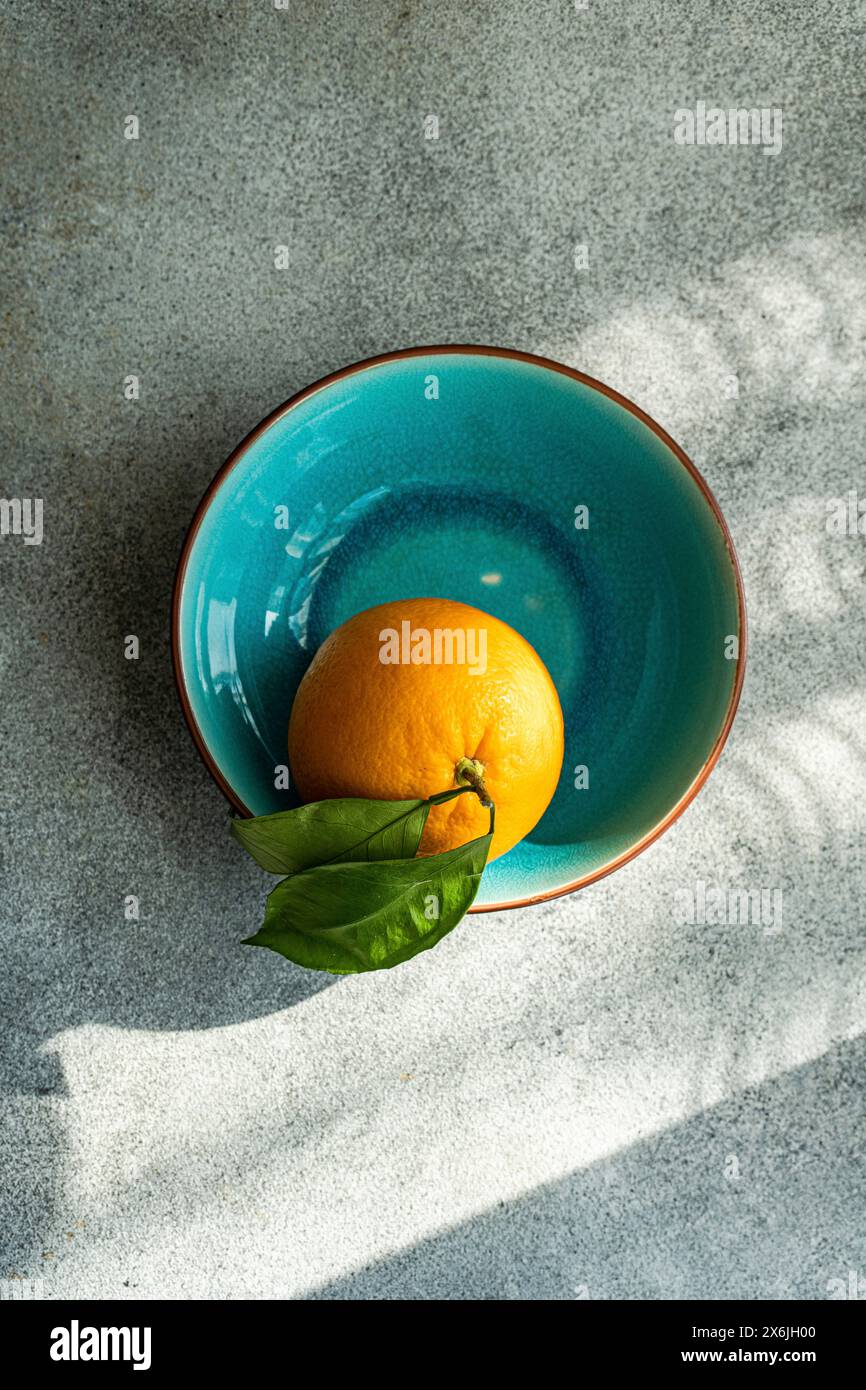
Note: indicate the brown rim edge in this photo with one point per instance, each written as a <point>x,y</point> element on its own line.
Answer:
<point>477,349</point>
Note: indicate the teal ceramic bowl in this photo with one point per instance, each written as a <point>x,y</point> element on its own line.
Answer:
<point>511,483</point>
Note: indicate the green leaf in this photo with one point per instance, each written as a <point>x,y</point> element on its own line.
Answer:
<point>344,830</point>
<point>353,917</point>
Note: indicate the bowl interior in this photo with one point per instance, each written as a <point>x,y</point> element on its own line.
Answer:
<point>464,475</point>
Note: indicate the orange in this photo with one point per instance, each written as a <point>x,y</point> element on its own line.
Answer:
<point>383,712</point>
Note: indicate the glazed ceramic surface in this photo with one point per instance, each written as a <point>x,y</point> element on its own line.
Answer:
<point>465,474</point>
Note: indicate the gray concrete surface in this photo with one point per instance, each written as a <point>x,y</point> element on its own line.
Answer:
<point>580,1098</point>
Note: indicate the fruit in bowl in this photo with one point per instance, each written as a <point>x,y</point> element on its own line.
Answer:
<point>426,739</point>
<point>527,489</point>
<point>409,698</point>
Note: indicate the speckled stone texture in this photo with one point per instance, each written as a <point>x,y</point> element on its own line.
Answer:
<point>584,1098</point>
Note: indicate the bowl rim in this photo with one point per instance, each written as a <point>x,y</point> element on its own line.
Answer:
<point>548,363</point>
